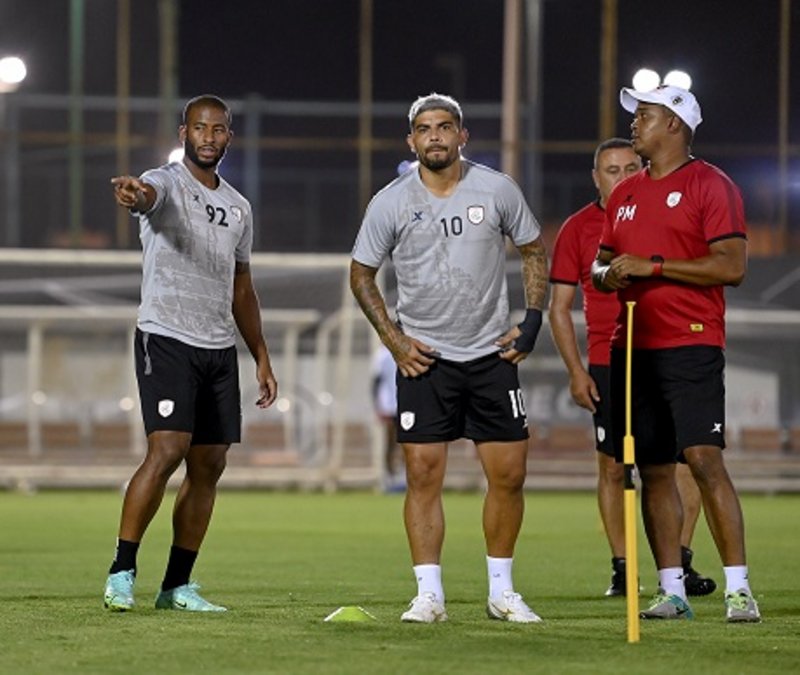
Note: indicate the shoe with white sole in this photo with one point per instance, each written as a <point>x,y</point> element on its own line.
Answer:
<point>118,596</point>
<point>187,599</point>
<point>511,607</point>
<point>741,607</point>
<point>666,606</point>
<point>425,608</point>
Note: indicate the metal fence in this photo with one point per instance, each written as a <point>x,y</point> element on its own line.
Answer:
<point>69,408</point>
<point>301,165</point>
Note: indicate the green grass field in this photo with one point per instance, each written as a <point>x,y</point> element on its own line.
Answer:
<point>282,561</point>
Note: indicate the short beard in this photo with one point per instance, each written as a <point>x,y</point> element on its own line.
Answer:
<point>189,151</point>
<point>436,164</point>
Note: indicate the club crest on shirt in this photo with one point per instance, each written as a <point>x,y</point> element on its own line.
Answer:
<point>673,199</point>
<point>166,407</point>
<point>407,420</point>
<point>475,214</point>
<point>237,213</point>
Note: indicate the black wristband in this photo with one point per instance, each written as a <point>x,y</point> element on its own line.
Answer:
<point>530,327</point>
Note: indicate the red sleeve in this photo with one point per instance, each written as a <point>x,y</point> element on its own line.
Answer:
<point>565,267</point>
<point>723,210</point>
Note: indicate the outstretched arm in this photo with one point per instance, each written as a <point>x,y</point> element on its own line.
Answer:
<point>411,355</point>
<point>247,314</point>
<point>132,193</point>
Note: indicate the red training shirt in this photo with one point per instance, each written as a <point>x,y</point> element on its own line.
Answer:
<point>573,254</point>
<point>676,217</point>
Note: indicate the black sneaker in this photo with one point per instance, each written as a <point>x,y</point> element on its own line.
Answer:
<point>694,582</point>
<point>617,586</point>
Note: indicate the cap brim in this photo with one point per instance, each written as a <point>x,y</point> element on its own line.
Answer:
<point>630,98</point>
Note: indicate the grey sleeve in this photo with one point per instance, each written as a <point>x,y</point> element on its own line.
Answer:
<point>245,246</point>
<point>519,223</point>
<point>376,237</point>
<point>161,182</point>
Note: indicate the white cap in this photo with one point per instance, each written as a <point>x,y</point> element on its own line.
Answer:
<point>680,101</point>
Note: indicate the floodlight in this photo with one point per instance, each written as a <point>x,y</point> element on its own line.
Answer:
<point>646,79</point>
<point>678,78</point>
<point>12,72</point>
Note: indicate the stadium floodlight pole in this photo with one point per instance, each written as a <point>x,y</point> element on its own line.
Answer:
<point>629,462</point>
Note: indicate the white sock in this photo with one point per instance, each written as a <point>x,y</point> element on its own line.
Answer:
<point>499,576</point>
<point>429,580</point>
<point>671,580</point>
<point>736,578</point>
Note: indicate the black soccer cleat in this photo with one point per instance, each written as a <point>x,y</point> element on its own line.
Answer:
<point>618,581</point>
<point>694,582</point>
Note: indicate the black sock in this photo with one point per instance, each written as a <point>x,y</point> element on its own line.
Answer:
<point>686,558</point>
<point>179,567</point>
<point>125,556</point>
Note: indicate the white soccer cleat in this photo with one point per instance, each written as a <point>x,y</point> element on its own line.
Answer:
<point>425,608</point>
<point>511,607</point>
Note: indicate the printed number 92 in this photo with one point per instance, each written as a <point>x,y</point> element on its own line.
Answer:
<point>214,212</point>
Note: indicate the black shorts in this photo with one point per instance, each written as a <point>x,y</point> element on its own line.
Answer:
<point>480,400</point>
<point>677,401</point>
<point>602,418</point>
<point>185,388</point>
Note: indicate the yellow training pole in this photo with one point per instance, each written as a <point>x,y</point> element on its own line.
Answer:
<point>629,460</point>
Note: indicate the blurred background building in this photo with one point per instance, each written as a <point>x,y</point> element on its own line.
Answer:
<point>320,92</point>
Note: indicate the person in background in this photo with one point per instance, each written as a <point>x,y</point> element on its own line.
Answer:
<point>384,400</point>
<point>573,254</point>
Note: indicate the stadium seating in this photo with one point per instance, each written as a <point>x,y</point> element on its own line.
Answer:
<point>762,439</point>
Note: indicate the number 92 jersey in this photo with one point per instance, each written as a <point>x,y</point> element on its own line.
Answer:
<point>192,238</point>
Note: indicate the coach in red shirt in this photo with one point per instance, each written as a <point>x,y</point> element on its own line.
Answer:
<point>573,254</point>
<point>673,237</point>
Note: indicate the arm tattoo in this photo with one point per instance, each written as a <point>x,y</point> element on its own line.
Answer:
<point>534,273</point>
<point>366,292</point>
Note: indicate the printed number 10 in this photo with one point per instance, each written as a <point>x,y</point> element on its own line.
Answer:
<point>455,226</point>
<point>517,406</point>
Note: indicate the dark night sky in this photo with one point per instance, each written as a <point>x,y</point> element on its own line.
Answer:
<point>308,49</point>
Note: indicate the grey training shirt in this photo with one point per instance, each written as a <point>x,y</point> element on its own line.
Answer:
<point>449,256</point>
<point>192,238</point>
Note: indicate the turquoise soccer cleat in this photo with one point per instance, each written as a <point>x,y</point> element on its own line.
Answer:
<point>666,606</point>
<point>118,595</point>
<point>187,599</point>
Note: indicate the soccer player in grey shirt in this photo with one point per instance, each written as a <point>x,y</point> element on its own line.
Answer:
<point>444,225</point>
<point>196,232</point>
